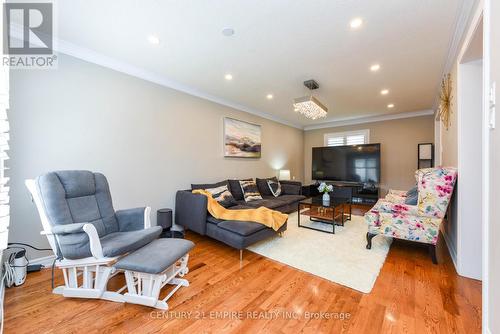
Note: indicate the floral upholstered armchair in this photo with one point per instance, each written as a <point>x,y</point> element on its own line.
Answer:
<point>392,217</point>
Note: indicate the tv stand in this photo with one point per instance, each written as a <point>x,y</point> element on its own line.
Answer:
<point>360,195</point>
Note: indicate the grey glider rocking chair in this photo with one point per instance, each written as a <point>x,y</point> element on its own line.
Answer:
<point>85,232</point>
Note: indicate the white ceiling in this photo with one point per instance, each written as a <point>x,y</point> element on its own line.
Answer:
<point>277,45</point>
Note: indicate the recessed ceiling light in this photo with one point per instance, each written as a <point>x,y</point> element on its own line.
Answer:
<point>228,32</point>
<point>269,96</point>
<point>356,23</point>
<point>390,105</point>
<point>228,77</point>
<point>375,67</point>
<point>384,91</point>
<point>153,39</point>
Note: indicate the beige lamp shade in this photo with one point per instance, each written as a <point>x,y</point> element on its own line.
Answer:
<point>284,174</point>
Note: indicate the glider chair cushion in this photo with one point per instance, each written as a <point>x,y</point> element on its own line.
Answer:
<point>119,243</point>
<point>74,198</point>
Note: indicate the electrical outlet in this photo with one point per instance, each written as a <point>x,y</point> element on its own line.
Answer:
<point>492,108</point>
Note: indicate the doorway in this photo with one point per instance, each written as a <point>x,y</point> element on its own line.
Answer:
<point>470,156</point>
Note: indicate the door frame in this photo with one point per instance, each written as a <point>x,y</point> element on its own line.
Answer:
<point>485,7</point>
<point>483,12</point>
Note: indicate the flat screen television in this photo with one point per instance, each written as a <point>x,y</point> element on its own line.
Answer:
<point>352,163</point>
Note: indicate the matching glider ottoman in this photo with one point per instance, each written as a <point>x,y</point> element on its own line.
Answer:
<point>150,268</point>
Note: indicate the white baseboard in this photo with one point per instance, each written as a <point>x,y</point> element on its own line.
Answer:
<point>451,250</point>
<point>45,261</point>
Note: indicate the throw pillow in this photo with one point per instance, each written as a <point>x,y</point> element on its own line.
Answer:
<point>412,196</point>
<point>222,195</point>
<point>250,191</point>
<point>235,189</point>
<point>264,187</point>
<point>412,191</point>
<point>275,187</point>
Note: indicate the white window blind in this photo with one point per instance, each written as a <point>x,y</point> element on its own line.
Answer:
<point>347,138</point>
<point>4,147</point>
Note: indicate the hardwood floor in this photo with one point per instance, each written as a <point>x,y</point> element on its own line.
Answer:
<point>411,295</point>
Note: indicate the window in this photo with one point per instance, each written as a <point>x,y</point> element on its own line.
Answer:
<point>357,137</point>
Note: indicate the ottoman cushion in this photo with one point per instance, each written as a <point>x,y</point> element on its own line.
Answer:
<point>156,256</point>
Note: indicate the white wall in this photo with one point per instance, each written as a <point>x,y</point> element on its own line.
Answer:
<point>493,269</point>
<point>148,140</point>
<point>449,158</point>
<point>469,196</point>
<point>461,147</point>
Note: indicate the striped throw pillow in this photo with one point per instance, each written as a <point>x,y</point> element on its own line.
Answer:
<point>222,195</point>
<point>250,190</point>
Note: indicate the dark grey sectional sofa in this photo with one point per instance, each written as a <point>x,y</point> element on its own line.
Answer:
<point>191,212</point>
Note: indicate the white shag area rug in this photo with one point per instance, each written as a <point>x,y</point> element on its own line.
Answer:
<point>341,257</point>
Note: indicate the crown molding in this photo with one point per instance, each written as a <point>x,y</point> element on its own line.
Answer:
<point>88,55</point>
<point>463,18</point>
<point>141,73</point>
<point>370,119</point>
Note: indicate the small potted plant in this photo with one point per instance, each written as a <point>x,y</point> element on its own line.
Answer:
<point>325,189</point>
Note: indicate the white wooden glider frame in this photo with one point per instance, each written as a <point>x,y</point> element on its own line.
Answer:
<point>88,277</point>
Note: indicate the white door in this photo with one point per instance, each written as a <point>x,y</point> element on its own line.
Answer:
<point>491,287</point>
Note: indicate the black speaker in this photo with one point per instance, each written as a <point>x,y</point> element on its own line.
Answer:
<point>164,218</point>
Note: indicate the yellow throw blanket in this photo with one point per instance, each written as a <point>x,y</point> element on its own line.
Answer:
<point>270,218</point>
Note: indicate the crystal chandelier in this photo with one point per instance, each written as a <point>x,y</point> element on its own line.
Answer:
<point>309,106</point>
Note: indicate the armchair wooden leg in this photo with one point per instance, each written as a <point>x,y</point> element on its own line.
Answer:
<point>369,237</point>
<point>432,252</point>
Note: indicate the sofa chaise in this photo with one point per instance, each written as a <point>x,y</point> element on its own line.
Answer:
<point>191,212</point>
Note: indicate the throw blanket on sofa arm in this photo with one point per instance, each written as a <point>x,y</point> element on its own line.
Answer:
<point>262,215</point>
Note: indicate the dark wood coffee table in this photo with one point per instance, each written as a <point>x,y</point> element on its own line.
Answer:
<point>331,213</point>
